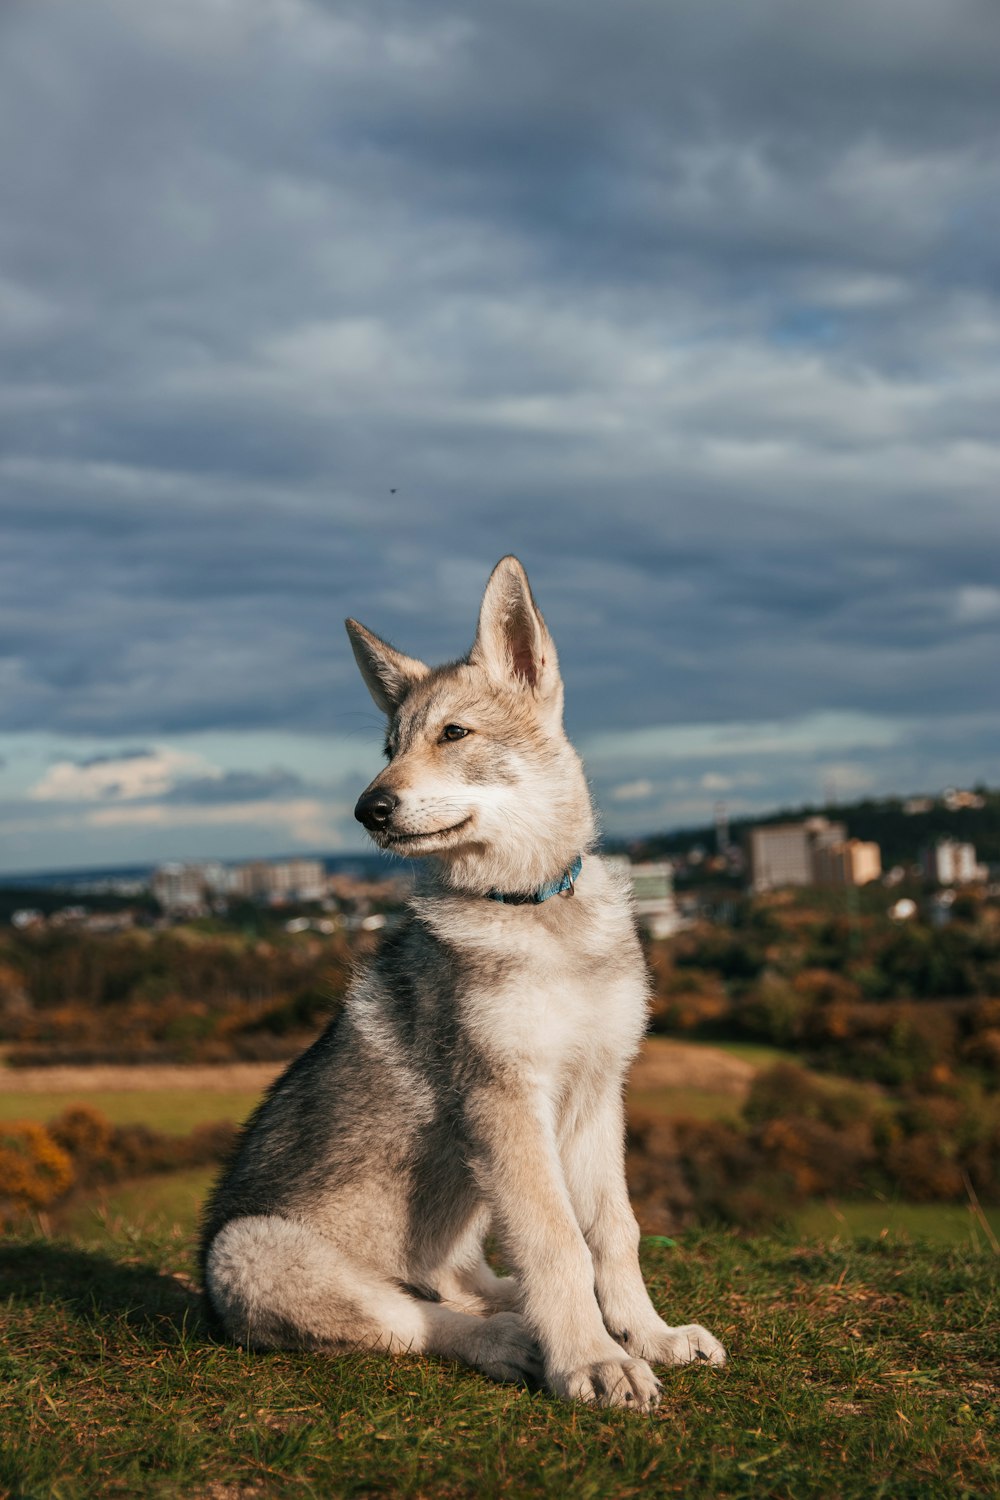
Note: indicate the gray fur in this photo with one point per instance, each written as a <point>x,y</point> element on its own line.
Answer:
<point>474,1081</point>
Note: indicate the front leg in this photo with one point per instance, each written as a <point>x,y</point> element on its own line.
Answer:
<point>515,1159</point>
<point>593,1154</point>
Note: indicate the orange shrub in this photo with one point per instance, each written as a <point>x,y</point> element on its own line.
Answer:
<point>34,1170</point>
<point>83,1132</point>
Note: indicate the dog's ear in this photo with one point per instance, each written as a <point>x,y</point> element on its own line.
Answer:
<point>388,674</point>
<point>512,642</point>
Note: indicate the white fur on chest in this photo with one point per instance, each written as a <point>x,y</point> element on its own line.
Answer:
<point>554,990</point>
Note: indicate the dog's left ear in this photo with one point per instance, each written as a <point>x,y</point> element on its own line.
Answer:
<point>512,643</point>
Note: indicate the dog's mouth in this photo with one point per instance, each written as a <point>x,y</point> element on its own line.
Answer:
<point>390,840</point>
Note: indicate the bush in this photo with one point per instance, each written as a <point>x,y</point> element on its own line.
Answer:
<point>924,1169</point>
<point>775,1010</point>
<point>34,1169</point>
<point>81,1148</point>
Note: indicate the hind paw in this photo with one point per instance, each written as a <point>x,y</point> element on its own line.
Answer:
<point>506,1350</point>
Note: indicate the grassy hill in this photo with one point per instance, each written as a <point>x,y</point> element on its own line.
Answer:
<point>856,1370</point>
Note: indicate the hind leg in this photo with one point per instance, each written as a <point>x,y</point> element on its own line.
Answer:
<point>279,1285</point>
<point>465,1279</point>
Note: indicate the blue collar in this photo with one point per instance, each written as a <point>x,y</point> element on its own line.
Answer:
<point>565,882</point>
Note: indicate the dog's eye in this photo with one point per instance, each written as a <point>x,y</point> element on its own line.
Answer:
<point>453,732</point>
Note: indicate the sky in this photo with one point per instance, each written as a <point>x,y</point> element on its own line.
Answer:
<point>311,309</point>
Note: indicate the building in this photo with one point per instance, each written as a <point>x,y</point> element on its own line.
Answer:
<point>297,880</point>
<point>955,798</point>
<point>785,853</point>
<point>780,855</point>
<point>653,893</point>
<point>848,862</point>
<point>281,881</point>
<point>190,888</point>
<point>180,888</point>
<point>947,862</point>
<point>813,852</point>
<point>252,881</point>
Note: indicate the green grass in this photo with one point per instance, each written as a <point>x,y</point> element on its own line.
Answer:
<point>864,1362</point>
<point>688,1104</point>
<point>857,1369</point>
<point>174,1111</point>
<point>937,1223</point>
<point>158,1207</point>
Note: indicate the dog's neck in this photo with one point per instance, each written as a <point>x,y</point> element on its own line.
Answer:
<point>563,885</point>
<point>532,858</point>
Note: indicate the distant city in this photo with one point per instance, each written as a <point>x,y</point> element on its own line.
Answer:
<point>696,882</point>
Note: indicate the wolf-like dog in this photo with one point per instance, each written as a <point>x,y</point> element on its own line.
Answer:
<point>473,1082</point>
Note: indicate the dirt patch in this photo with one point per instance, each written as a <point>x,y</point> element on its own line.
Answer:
<point>217,1078</point>
<point>661,1065</point>
<point>666,1064</point>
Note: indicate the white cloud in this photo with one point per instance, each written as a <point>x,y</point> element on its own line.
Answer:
<point>845,779</point>
<point>120,778</point>
<point>977,603</point>
<point>812,733</point>
<point>632,791</point>
<point>306,820</point>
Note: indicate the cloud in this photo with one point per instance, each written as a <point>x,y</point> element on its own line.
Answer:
<point>303,820</point>
<point>793,737</point>
<point>699,320</point>
<point>144,754</point>
<point>124,777</point>
<point>235,787</point>
<point>632,791</point>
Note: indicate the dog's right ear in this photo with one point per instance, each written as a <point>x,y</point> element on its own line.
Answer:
<point>512,643</point>
<point>388,674</point>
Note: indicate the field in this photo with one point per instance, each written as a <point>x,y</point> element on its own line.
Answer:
<point>864,1356</point>
<point>672,1078</point>
<point>856,1370</point>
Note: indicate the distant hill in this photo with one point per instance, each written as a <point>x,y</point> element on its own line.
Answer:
<point>900,834</point>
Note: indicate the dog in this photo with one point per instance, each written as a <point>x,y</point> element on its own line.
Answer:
<point>473,1082</point>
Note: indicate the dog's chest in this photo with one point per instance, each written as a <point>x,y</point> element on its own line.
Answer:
<point>565,1004</point>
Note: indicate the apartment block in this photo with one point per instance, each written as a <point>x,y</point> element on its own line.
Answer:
<point>784,853</point>
<point>653,894</point>
<point>848,862</point>
<point>813,852</point>
<point>948,862</point>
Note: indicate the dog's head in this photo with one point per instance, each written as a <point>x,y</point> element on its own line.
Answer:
<point>480,771</point>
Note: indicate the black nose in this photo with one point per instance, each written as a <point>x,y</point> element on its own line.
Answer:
<point>375,809</point>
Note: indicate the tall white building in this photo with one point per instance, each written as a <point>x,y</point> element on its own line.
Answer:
<point>785,853</point>
<point>179,887</point>
<point>653,893</point>
<point>813,852</point>
<point>948,862</point>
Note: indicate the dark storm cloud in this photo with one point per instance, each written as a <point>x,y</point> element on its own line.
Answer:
<point>105,760</point>
<point>313,310</point>
<point>236,786</point>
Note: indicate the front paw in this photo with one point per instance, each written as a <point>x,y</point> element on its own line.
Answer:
<point>685,1346</point>
<point>610,1382</point>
